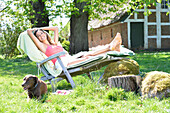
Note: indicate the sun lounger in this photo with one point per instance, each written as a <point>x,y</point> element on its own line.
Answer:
<point>47,67</point>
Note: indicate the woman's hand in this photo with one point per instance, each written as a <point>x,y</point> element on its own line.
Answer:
<point>33,29</point>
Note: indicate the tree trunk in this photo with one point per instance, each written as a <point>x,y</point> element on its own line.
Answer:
<point>126,82</point>
<point>79,29</point>
<point>41,14</point>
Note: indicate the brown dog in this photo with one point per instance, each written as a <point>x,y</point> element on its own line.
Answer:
<point>34,86</point>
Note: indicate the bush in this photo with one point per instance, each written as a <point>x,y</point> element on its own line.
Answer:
<point>8,40</point>
<point>66,45</point>
<point>115,94</point>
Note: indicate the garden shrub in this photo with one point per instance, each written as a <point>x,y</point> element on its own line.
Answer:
<point>115,94</point>
<point>66,45</point>
<point>8,40</point>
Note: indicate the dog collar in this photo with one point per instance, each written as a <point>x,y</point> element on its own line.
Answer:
<point>36,85</point>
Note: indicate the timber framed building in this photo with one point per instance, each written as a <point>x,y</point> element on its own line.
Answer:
<point>138,31</point>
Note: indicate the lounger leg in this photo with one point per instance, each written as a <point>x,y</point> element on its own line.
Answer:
<point>66,73</point>
<point>52,85</point>
<point>89,75</point>
<point>100,78</point>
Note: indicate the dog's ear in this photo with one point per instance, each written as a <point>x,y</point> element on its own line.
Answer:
<point>24,78</point>
<point>36,79</point>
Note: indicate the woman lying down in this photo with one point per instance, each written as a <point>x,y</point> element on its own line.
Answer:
<point>49,47</point>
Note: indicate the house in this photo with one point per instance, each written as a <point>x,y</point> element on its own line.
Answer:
<point>138,31</point>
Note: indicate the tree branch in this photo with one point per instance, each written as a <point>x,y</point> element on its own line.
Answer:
<point>4,8</point>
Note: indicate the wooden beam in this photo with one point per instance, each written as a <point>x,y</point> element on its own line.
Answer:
<point>165,36</point>
<point>158,21</point>
<point>136,16</point>
<point>165,23</point>
<point>129,41</point>
<point>152,23</point>
<point>146,32</point>
<point>155,36</point>
<point>164,10</point>
<point>135,20</point>
<point>143,10</point>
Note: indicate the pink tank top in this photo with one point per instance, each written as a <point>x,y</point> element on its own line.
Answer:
<point>53,49</point>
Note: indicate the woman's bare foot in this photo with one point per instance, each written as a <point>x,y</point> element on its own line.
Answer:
<point>116,43</point>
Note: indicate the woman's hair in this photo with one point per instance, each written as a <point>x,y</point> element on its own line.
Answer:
<point>48,37</point>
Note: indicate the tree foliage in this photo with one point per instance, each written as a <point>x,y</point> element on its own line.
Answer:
<point>97,7</point>
<point>15,18</point>
<point>8,40</point>
<point>13,22</point>
<point>21,11</point>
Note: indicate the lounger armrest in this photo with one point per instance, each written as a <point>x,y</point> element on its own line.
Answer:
<point>51,57</point>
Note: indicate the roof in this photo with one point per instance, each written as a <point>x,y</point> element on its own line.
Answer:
<point>119,16</point>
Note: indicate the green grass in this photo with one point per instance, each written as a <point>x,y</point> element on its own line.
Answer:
<point>157,61</point>
<point>87,97</point>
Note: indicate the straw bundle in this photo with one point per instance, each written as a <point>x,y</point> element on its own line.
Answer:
<point>122,67</point>
<point>156,84</point>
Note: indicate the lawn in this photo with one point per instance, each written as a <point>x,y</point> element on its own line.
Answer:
<point>87,97</point>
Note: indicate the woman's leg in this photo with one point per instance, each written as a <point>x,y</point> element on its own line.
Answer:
<point>99,51</point>
<point>116,43</point>
<point>77,61</point>
<point>113,46</point>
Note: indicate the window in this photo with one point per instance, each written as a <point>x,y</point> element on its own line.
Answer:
<point>91,37</point>
<point>101,37</point>
<point>111,33</point>
<point>164,4</point>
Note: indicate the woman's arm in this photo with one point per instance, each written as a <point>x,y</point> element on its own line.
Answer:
<point>39,45</point>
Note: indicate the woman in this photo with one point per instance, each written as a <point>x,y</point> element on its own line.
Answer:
<point>45,44</point>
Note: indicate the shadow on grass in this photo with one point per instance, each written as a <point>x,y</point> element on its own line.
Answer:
<point>17,67</point>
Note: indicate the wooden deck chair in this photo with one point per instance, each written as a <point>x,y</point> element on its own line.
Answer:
<point>26,45</point>
<point>87,66</point>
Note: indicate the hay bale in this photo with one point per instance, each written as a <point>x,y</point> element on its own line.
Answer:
<point>156,84</point>
<point>122,67</point>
